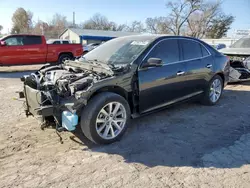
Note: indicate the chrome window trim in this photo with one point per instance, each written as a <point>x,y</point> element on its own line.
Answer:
<point>181,60</point>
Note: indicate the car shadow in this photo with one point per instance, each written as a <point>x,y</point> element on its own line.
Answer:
<point>183,135</point>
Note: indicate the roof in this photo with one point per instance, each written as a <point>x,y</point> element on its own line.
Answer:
<point>101,33</point>
<point>157,36</point>
<point>22,35</point>
<point>142,37</point>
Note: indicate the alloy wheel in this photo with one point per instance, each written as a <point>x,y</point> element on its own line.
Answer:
<point>111,120</point>
<point>215,90</point>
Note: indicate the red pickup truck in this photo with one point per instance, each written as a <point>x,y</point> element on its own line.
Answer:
<point>33,49</point>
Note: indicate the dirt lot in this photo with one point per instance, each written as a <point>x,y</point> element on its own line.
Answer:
<point>186,146</point>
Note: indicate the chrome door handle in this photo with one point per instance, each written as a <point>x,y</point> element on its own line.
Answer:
<point>209,66</point>
<point>180,73</point>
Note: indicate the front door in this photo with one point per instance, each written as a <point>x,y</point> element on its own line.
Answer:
<point>159,86</point>
<point>14,52</point>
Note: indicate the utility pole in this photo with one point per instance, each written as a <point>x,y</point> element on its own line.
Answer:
<point>73,19</point>
<point>41,27</point>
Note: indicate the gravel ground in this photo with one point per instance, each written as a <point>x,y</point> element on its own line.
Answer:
<point>189,145</point>
<point>20,68</point>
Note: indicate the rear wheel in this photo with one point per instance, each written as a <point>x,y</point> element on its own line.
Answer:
<point>63,58</point>
<point>213,91</point>
<point>104,120</point>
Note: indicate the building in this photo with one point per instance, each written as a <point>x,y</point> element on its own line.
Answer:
<point>87,36</point>
<point>227,41</point>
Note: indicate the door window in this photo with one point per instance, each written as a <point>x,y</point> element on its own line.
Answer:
<point>14,41</point>
<point>57,42</point>
<point>65,42</point>
<point>32,40</point>
<point>191,49</point>
<point>166,50</point>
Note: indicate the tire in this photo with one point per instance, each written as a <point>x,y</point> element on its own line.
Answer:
<point>85,52</point>
<point>94,111</point>
<point>208,98</point>
<point>62,58</point>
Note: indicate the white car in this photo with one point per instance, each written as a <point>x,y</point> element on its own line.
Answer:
<point>92,46</point>
<point>58,41</point>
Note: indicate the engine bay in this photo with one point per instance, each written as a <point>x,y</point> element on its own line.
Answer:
<point>62,81</point>
<point>239,67</point>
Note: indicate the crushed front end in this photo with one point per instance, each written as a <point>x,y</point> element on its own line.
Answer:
<point>58,93</point>
<point>239,54</point>
<point>239,68</point>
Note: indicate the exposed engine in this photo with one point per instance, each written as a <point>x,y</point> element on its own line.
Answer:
<point>65,80</point>
<point>68,82</point>
<point>240,67</point>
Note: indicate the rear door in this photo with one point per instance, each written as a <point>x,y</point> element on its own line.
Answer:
<point>36,51</point>
<point>160,86</point>
<point>199,63</point>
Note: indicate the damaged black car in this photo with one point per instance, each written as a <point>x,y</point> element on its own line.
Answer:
<point>123,78</point>
<point>239,54</point>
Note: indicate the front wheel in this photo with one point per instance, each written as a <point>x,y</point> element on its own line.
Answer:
<point>213,91</point>
<point>105,118</point>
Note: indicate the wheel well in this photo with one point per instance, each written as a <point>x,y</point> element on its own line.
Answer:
<point>222,76</point>
<point>66,53</point>
<point>115,89</point>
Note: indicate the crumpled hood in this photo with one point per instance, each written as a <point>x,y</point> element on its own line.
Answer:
<point>235,51</point>
<point>93,66</point>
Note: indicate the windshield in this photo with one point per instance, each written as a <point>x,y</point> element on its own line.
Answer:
<point>242,43</point>
<point>122,50</point>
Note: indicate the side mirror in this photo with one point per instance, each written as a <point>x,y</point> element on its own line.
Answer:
<point>153,62</point>
<point>2,43</point>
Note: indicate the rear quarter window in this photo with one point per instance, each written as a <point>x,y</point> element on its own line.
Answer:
<point>212,50</point>
<point>204,51</point>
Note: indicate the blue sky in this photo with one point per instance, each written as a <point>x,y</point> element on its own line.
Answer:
<point>120,11</point>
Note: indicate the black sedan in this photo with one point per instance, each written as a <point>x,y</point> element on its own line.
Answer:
<point>123,78</point>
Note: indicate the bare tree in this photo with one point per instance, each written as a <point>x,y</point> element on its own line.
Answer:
<point>22,21</point>
<point>41,28</point>
<point>100,22</point>
<point>56,25</point>
<point>117,27</point>
<point>135,26</point>
<point>157,25</point>
<point>196,18</point>
<point>200,21</point>
<point>219,26</point>
<point>180,12</point>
